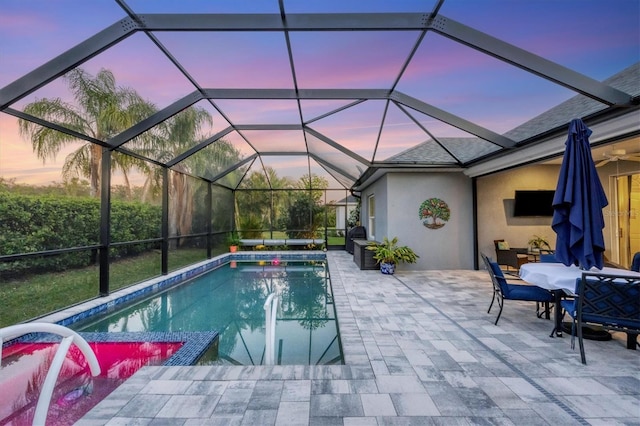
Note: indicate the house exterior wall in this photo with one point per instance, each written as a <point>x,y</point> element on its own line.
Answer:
<point>399,195</point>
<point>379,190</point>
<point>495,207</point>
<point>398,198</point>
<point>341,215</point>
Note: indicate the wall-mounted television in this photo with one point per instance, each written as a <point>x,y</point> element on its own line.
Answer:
<point>533,203</point>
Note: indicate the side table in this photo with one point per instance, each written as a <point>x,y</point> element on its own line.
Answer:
<point>363,257</point>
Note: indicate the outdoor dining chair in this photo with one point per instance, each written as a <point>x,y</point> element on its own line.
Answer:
<point>503,290</point>
<point>548,258</point>
<point>610,301</point>
<point>635,263</point>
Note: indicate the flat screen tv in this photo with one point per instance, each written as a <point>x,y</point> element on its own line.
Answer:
<point>533,203</point>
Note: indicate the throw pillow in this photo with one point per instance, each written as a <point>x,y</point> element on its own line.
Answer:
<point>503,245</point>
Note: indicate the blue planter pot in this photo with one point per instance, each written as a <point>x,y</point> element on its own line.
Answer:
<point>387,268</point>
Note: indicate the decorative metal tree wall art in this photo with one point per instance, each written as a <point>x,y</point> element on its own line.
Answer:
<point>433,209</point>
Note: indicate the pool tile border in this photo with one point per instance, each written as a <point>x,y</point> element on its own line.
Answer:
<point>99,305</point>
<point>195,343</point>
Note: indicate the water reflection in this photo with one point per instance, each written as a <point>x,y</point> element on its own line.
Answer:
<point>230,300</point>
<point>25,367</point>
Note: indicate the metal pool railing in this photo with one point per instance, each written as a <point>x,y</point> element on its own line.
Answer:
<point>68,337</point>
<point>270,310</point>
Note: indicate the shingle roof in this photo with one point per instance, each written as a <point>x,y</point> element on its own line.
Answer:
<point>468,148</point>
<point>578,106</point>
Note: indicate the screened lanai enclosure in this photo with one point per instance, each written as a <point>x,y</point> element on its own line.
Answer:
<point>137,137</point>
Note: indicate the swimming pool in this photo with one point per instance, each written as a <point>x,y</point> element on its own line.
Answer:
<point>230,300</point>
<point>25,365</point>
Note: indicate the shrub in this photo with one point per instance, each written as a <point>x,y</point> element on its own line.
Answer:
<point>31,224</point>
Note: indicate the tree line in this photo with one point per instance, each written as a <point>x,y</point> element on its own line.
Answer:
<point>102,110</point>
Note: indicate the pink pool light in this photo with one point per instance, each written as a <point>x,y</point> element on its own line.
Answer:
<point>25,365</point>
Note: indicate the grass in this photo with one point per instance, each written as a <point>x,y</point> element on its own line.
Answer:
<point>33,296</point>
<point>336,241</point>
<point>36,295</point>
<point>281,235</point>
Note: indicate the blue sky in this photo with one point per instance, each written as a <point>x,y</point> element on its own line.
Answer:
<point>594,37</point>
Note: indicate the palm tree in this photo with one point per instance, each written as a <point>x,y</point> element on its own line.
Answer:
<point>167,141</point>
<point>279,205</point>
<point>101,111</point>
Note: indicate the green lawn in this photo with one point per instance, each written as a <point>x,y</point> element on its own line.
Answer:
<point>336,241</point>
<point>30,297</point>
<point>37,295</point>
<point>280,235</point>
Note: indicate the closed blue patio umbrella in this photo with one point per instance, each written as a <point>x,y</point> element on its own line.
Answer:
<point>578,203</point>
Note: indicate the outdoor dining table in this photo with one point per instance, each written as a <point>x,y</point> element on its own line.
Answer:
<point>562,280</point>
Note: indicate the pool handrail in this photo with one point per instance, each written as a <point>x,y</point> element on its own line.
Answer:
<point>270,309</point>
<point>68,337</point>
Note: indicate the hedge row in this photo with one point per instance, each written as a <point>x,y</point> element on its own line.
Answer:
<point>35,223</point>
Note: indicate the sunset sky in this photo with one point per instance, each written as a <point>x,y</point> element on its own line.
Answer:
<point>596,38</point>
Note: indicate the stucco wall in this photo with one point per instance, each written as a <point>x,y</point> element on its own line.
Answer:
<point>495,207</point>
<point>398,198</point>
<point>379,190</point>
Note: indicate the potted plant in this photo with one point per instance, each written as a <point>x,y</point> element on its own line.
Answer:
<point>388,253</point>
<point>233,241</point>
<point>537,242</point>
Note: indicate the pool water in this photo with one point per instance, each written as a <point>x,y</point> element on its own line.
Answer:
<point>25,366</point>
<point>230,300</point>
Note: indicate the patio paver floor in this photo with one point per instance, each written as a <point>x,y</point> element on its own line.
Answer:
<point>420,349</point>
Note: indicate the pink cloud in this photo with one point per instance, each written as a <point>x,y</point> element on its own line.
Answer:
<point>276,140</point>
<point>24,24</point>
<point>233,59</point>
<point>258,111</point>
<point>35,32</point>
<point>19,162</point>
<point>349,59</point>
